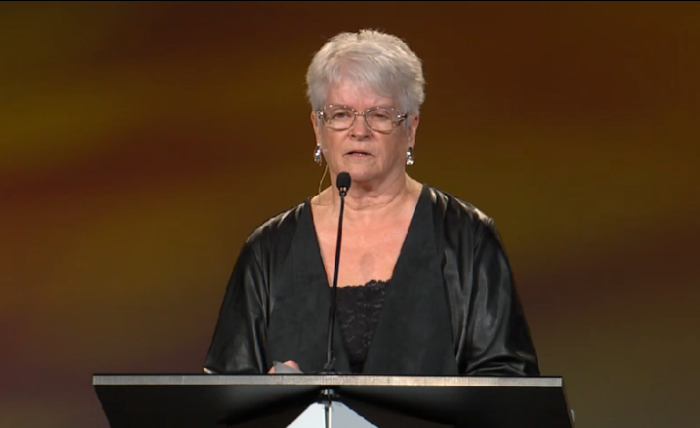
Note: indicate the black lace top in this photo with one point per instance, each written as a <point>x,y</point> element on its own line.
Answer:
<point>358,312</point>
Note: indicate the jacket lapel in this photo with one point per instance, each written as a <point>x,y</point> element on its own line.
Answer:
<point>298,327</point>
<point>414,331</point>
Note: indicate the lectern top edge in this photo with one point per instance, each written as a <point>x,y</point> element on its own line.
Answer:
<point>326,380</point>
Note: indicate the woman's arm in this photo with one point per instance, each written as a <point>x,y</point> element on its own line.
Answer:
<point>497,331</point>
<point>238,345</point>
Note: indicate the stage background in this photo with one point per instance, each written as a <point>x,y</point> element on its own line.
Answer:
<point>141,143</point>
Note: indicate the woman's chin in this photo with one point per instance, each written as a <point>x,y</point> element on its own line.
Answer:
<point>360,174</point>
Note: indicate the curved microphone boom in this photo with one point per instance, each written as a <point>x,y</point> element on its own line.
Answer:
<point>342,182</point>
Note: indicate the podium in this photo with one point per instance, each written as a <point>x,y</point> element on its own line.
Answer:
<point>218,401</point>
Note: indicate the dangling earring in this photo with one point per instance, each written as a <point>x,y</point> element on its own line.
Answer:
<point>409,156</point>
<point>317,155</point>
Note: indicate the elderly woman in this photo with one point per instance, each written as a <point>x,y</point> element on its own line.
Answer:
<point>424,283</point>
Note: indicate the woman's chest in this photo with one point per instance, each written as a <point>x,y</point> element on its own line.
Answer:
<point>365,255</point>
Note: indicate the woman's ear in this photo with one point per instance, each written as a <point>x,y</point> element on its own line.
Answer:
<point>414,120</point>
<point>316,124</point>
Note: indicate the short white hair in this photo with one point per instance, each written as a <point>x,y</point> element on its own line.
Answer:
<point>370,58</point>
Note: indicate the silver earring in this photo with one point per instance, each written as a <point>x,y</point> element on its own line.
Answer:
<point>317,155</point>
<point>409,157</point>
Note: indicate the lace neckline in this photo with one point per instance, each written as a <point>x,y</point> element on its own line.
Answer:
<point>371,283</point>
<point>359,307</point>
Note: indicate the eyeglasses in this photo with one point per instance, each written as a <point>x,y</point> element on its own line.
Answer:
<point>379,119</point>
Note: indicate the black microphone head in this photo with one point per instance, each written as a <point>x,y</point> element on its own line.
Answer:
<point>342,182</point>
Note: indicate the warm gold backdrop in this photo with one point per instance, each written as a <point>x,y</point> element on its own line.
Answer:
<point>141,143</point>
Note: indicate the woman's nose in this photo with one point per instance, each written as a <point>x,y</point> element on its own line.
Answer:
<point>359,129</point>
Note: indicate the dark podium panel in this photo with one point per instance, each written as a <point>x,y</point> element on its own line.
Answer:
<point>215,401</point>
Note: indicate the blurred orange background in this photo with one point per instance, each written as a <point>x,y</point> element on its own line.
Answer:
<point>140,143</point>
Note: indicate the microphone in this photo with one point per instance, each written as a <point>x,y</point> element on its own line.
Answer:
<point>342,182</point>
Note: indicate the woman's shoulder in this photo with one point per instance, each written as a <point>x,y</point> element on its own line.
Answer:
<point>449,206</point>
<point>455,217</point>
<point>277,229</point>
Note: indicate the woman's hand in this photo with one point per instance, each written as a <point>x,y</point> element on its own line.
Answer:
<point>289,363</point>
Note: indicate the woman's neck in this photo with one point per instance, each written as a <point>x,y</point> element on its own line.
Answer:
<point>365,202</point>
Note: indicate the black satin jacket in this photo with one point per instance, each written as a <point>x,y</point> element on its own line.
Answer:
<point>451,308</point>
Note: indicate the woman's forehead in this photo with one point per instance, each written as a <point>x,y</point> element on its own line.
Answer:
<point>357,95</point>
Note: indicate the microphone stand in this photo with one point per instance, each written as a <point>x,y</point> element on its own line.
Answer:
<point>328,395</point>
<point>343,183</point>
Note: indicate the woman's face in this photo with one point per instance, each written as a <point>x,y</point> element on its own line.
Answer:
<point>369,156</point>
